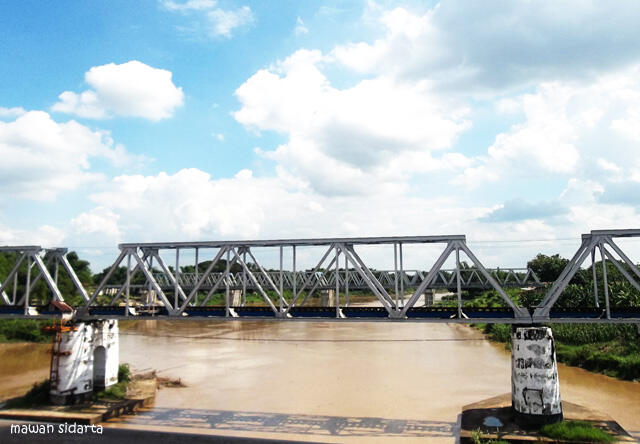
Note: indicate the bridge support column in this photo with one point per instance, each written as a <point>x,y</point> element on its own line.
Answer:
<point>428,297</point>
<point>535,389</point>
<point>236,298</point>
<point>83,357</point>
<point>328,298</point>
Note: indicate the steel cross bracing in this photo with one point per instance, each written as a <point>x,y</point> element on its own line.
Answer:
<point>153,288</point>
<point>469,277</point>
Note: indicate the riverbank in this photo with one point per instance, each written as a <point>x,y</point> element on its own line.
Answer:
<point>125,397</point>
<point>610,349</point>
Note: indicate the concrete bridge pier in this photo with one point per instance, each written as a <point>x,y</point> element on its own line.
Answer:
<point>84,357</point>
<point>535,389</point>
<point>236,298</point>
<point>328,298</point>
<point>428,297</point>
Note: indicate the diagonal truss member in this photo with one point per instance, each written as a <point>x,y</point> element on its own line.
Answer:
<point>598,241</point>
<point>389,287</point>
<point>28,262</point>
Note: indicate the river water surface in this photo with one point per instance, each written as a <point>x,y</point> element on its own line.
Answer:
<point>338,382</point>
<point>327,381</point>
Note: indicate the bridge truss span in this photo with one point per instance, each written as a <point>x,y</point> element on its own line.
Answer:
<point>340,270</point>
<point>231,280</point>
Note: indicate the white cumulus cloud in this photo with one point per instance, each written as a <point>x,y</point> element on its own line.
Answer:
<point>569,129</point>
<point>11,112</point>
<point>342,141</point>
<point>42,157</point>
<point>493,46</point>
<point>129,89</point>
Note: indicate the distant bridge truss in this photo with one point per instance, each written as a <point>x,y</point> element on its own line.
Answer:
<point>470,278</point>
<point>153,288</point>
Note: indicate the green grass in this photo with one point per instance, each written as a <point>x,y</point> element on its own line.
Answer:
<point>116,391</point>
<point>610,358</point>
<point>580,431</point>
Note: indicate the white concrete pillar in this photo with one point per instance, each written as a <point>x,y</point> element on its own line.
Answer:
<point>535,389</point>
<point>428,298</point>
<point>236,298</point>
<point>84,357</point>
<point>149,297</point>
<point>328,298</point>
<point>71,378</point>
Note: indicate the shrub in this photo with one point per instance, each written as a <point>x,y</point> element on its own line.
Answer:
<point>124,373</point>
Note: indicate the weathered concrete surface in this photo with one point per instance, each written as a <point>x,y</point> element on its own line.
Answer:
<point>106,340</point>
<point>535,388</point>
<point>473,417</point>
<point>72,367</point>
<point>85,357</point>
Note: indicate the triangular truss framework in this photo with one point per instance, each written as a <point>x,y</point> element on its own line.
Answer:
<point>340,269</point>
<point>36,269</point>
<point>598,241</point>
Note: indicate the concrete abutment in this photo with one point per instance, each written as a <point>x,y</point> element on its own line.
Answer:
<point>84,357</point>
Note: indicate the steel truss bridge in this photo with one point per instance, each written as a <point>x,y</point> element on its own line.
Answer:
<point>285,292</point>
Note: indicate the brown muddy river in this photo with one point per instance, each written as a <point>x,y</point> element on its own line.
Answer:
<point>329,382</point>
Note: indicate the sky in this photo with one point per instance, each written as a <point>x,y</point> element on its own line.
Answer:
<point>516,123</point>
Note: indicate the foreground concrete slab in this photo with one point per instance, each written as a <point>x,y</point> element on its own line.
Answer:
<point>475,416</point>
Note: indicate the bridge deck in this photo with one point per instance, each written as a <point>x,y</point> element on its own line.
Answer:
<point>345,314</point>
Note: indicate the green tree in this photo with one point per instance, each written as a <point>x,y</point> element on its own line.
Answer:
<point>548,268</point>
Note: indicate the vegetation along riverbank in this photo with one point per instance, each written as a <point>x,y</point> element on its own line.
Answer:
<point>605,348</point>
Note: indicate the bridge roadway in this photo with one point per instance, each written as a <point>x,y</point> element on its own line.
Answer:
<point>340,269</point>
